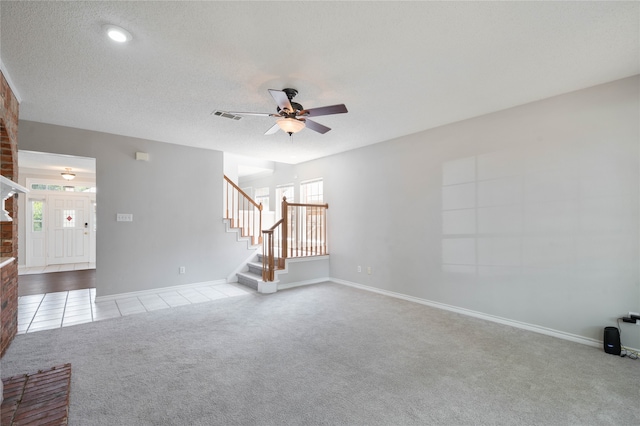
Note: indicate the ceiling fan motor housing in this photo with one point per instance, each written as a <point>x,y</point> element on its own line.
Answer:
<point>291,93</point>
<point>296,108</point>
<point>292,116</point>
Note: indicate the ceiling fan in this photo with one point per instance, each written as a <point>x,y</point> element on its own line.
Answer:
<point>292,117</point>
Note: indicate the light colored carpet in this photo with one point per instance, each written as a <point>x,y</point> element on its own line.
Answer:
<point>327,355</point>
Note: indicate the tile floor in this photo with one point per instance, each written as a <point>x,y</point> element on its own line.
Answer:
<point>53,310</point>
<point>23,270</point>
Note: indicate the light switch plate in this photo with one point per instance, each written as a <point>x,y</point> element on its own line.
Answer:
<point>124,217</point>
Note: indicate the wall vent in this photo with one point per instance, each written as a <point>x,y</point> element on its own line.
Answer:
<point>226,115</point>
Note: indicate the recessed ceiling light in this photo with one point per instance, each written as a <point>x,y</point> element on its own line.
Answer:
<point>117,34</point>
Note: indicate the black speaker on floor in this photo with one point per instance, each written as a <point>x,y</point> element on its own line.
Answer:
<point>612,341</point>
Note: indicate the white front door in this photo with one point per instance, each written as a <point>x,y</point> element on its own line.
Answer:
<point>68,229</point>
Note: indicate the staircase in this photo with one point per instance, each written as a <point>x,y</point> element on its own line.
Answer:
<point>299,237</point>
<point>297,271</point>
<point>252,277</point>
<point>242,213</point>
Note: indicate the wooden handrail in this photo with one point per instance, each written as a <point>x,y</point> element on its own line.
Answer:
<point>269,252</point>
<point>303,233</point>
<point>242,212</point>
<point>274,226</point>
<point>259,206</point>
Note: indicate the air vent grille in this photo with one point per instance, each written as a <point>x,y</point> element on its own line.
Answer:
<point>227,115</point>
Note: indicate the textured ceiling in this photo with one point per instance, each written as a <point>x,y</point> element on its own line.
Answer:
<point>400,67</point>
<point>54,164</point>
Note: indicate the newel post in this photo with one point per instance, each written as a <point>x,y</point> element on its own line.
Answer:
<point>285,228</point>
<point>260,224</point>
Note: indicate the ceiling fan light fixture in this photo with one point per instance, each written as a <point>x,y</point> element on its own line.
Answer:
<point>290,125</point>
<point>117,34</point>
<point>292,117</point>
<point>67,175</point>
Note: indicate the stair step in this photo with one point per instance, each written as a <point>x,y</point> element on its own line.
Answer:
<point>255,268</point>
<point>242,234</point>
<point>249,279</point>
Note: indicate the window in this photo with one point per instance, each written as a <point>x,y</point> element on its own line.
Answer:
<point>85,188</point>
<point>283,191</point>
<point>311,191</point>
<point>68,218</point>
<point>36,215</point>
<point>95,217</point>
<point>262,196</point>
<point>68,188</point>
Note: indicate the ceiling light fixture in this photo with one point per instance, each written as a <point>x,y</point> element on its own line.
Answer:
<point>290,125</point>
<point>117,34</point>
<point>68,175</point>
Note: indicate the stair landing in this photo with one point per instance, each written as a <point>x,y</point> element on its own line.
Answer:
<point>297,271</point>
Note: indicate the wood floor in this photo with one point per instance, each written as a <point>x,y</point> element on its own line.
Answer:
<point>56,281</point>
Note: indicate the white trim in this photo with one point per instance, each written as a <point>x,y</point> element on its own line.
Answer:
<point>12,86</point>
<point>156,290</point>
<point>51,181</point>
<point>305,282</point>
<point>306,258</point>
<point>285,270</point>
<point>268,287</point>
<point>517,324</point>
<point>239,237</point>
<point>233,276</point>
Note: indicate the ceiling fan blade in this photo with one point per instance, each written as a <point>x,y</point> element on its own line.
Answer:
<point>257,114</point>
<point>327,110</point>
<point>281,99</point>
<point>272,129</point>
<point>316,127</point>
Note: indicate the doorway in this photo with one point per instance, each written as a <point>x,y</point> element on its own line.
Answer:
<point>58,232</point>
<point>58,229</point>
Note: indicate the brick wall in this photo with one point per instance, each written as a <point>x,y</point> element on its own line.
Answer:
<point>8,230</point>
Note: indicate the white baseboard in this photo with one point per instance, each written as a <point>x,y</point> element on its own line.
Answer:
<point>156,290</point>
<point>513,323</point>
<point>301,283</point>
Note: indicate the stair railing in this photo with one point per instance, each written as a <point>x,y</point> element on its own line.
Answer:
<point>302,232</point>
<point>242,212</point>
<point>272,251</point>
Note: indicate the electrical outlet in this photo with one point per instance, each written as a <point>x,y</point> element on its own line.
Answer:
<point>183,270</point>
<point>359,268</point>
<point>369,270</point>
